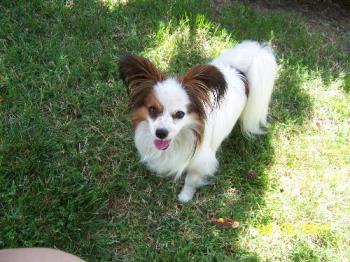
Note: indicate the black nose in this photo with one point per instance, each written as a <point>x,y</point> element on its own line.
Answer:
<point>162,133</point>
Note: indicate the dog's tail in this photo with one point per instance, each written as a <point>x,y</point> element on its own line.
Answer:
<point>258,63</point>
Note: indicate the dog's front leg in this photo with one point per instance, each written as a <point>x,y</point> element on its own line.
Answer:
<point>193,180</point>
<point>199,173</point>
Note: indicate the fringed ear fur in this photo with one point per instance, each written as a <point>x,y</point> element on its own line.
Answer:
<point>140,75</point>
<point>202,82</point>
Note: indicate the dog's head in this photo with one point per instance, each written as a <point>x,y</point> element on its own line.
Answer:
<point>169,104</point>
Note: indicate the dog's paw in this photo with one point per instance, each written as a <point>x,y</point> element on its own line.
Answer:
<point>186,195</point>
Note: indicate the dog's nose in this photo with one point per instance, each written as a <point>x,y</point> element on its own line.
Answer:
<point>162,133</point>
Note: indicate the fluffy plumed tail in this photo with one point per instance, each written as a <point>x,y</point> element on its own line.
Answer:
<point>258,63</point>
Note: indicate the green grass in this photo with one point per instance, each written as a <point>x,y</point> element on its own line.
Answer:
<point>69,173</point>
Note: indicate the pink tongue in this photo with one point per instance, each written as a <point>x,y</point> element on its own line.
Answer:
<point>161,144</point>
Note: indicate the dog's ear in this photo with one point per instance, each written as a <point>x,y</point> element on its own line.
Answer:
<point>205,85</point>
<point>140,75</point>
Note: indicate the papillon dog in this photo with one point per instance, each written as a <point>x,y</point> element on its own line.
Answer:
<point>180,122</point>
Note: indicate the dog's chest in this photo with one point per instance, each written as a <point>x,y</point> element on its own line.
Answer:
<point>170,162</point>
<point>167,163</point>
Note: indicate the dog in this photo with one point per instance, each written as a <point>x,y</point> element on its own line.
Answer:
<point>180,122</point>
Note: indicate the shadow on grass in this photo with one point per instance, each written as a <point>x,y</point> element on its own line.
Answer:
<point>70,177</point>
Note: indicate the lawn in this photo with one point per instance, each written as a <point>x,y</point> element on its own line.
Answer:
<point>69,172</point>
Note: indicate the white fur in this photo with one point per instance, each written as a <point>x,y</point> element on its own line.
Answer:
<point>258,63</point>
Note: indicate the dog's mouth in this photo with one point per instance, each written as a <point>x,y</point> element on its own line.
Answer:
<point>161,144</point>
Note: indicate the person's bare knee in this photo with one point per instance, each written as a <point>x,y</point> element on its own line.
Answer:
<point>37,254</point>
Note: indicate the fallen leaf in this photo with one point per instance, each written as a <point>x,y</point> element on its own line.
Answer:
<point>225,222</point>
<point>316,125</point>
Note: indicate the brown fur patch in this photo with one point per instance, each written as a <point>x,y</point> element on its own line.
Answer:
<point>142,112</point>
<point>200,82</point>
<point>140,75</point>
<point>152,101</point>
<point>198,128</point>
<point>138,115</point>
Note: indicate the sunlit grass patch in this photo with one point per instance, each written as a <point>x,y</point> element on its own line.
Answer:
<point>186,41</point>
<point>311,175</point>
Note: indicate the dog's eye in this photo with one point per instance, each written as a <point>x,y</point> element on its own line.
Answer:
<point>152,111</point>
<point>179,114</point>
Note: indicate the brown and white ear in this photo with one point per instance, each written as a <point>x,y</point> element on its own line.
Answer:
<point>140,75</point>
<point>205,85</point>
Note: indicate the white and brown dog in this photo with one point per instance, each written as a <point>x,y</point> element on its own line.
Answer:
<point>180,122</point>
